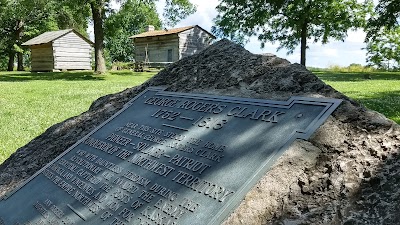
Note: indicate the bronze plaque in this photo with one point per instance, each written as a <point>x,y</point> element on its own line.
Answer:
<point>165,158</point>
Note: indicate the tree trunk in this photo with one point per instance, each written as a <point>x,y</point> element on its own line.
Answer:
<point>303,45</point>
<point>11,58</point>
<point>97,13</point>
<point>20,57</point>
<point>19,33</point>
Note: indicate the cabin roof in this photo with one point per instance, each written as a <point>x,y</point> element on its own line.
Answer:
<point>167,32</point>
<point>51,36</point>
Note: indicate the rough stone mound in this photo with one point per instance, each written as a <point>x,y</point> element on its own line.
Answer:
<point>347,173</point>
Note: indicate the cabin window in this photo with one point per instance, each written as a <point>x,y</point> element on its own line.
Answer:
<point>169,57</point>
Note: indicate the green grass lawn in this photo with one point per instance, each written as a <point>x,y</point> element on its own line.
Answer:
<point>32,102</point>
<point>380,93</point>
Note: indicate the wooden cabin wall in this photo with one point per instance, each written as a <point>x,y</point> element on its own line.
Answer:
<point>71,52</point>
<point>193,41</point>
<point>42,58</point>
<point>157,48</point>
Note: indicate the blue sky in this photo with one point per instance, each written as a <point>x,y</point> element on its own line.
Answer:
<point>318,55</point>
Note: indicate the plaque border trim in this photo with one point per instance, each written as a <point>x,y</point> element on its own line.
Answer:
<point>329,103</point>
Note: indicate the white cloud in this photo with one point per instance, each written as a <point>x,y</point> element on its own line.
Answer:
<point>329,52</point>
<point>254,46</point>
<point>203,16</point>
<point>115,5</point>
<point>357,36</point>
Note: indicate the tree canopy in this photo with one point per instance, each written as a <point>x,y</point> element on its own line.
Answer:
<point>70,16</point>
<point>289,22</point>
<point>387,14</point>
<point>176,10</point>
<point>21,20</point>
<point>383,37</point>
<point>131,19</point>
<point>383,51</point>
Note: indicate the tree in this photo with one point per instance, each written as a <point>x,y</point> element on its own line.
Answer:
<point>387,13</point>
<point>383,39</point>
<point>383,51</point>
<point>71,16</point>
<point>175,10</point>
<point>22,20</point>
<point>98,8</point>
<point>131,19</point>
<point>289,22</point>
<point>3,58</point>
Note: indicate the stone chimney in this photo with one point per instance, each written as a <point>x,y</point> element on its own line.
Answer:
<point>149,28</point>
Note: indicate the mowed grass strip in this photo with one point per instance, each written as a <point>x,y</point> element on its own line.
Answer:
<point>379,91</point>
<point>32,102</point>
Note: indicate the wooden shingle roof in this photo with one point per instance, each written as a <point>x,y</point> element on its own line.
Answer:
<point>51,36</point>
<point>167,32</point>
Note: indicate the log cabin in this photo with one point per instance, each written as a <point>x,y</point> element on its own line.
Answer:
<point>170,45</point>
<point>60,50</point>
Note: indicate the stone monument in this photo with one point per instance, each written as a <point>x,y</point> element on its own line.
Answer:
<point>344,174</point>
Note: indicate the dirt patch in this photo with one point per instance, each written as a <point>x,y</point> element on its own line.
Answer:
<point>347,173</point>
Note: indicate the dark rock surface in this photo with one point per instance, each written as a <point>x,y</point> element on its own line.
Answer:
<point>347,173</point>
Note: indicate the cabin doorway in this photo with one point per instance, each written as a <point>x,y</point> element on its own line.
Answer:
<point>169,56</point>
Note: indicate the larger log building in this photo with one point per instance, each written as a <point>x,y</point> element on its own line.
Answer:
<point>170,45</point>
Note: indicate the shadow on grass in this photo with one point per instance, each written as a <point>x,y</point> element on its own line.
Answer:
<point>131,73</point>
<point>122,73</point>
<point>358,76</point>
<point>32,76</point>
<point>387,103</point>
